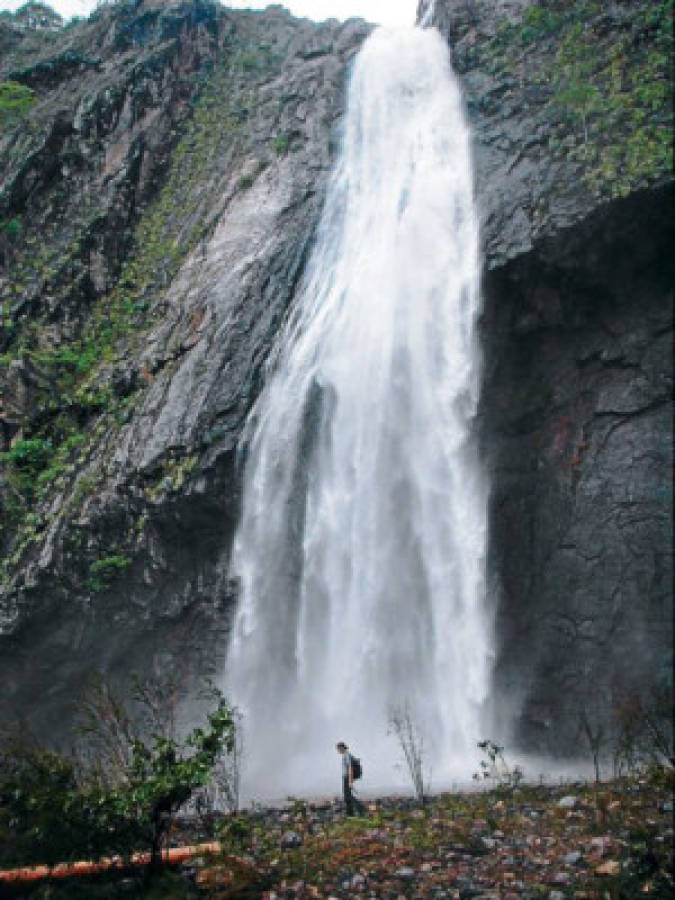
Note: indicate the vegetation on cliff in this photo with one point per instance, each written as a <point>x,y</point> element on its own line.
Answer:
<point>604,76</point>
<point>15,101</point>
<point>73,400</point>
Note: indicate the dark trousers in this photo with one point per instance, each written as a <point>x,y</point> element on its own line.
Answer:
<point>350,800</point>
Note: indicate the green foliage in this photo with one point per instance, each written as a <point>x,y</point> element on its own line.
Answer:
<point>51,812</point>
<point>236,833</point>
<point>164,773</point>
<point>539,22</point>
<point>110,564</point>
<point>15,101</point>
<point>609,88</point>
<point>29,456</point>
<point>12,228</point>
<point>281,143</point>
<point>45,816</point>
<point>103,571</point>
<point>24,462</point>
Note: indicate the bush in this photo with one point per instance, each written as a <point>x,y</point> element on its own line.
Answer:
<point>53,808</point>
<point>30,456</point>
<point>45,816</point>
<point>644,730</point>
<point>281,143</point>
<point>103,571</point>
<point>12,229</point>
<point>15,101</point>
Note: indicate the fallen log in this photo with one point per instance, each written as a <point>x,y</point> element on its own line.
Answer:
<point>172,855</point>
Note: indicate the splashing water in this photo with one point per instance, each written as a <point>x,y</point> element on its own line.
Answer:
<point>361,547</point>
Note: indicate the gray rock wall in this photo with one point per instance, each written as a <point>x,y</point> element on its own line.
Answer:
<point>577,331</point>
<point>576,418</point>
<point>156,486</point>
<point>577,429</point>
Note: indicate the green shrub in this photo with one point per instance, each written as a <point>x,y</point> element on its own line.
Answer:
<point>103,571</point>
<point>30,456</point>
<point>110,564</point>
<point>45,816</point>
<point>12,229</point>
<point>51,810</point>
<point>539,22</point>
<point>15,101</point>
<point>606,81</point>
<point>280,144</point>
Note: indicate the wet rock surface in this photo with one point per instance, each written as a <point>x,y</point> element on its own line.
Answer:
<point>577,424</point>
<point>576,418</point>
<point>168,181</point>
<point>249,105</point>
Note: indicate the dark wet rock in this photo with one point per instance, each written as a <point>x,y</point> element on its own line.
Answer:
<point>575,423</point>
<point>576,417</point>
<point>20,387</point>
<point>159,481</point>
<point>290,840</point>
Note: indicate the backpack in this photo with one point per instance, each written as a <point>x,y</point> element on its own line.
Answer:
<point>357,768</point>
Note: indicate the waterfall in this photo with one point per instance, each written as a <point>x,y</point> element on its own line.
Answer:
<point>427,11</point>
<point>361,548</point>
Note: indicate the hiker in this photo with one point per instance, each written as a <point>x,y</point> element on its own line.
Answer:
<point>349,765</point>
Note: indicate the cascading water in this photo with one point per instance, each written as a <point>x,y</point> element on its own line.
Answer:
<point>361,547</point>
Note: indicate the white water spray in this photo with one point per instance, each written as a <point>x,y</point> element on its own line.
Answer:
<point>361,547</point>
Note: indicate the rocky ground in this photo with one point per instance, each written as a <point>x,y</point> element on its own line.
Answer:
<point>574,840</point>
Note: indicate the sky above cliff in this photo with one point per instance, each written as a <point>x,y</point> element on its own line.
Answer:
<point>390,12</point>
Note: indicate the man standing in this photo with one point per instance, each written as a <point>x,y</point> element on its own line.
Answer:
<point>348,780</point>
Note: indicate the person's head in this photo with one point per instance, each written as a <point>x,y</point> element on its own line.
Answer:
<point>341,747</point>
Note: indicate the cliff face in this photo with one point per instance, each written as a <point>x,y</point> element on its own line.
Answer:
<point>157,199</point>
<point>165,192</point>
<point>575,194</point>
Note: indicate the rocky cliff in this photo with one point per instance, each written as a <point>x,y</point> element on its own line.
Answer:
<point>162,168</point>
<point>158,197</point>
<point>570,107</point>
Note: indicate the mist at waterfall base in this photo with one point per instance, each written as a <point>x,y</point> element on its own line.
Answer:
<point>361,548</point>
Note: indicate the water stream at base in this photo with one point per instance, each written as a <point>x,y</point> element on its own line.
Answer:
<point>361,548</point>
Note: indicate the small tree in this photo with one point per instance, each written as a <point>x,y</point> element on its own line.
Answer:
<point>122,792</point>
<point>164,773</point>
<point>47,815</point>
<point>644,731</point>
<point>594,732</point>
<point>495,768</point>
<point>138,760</point>
<point>221,792</point>
<point>411,742</point>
